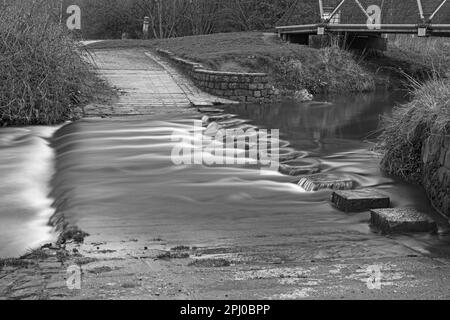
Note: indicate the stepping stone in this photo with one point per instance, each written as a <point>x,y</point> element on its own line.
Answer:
<point>326,181</point>
<point>212,129</point>
<point>200,104</point>
<point>210,110</point>
<point>299,167</point>
<point>401,220</point>
<point>223,117</point>
<point>360,200</point>
<point>293,155</point>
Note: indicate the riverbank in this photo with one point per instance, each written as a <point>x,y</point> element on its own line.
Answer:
<point>416,141</point>
<point>289,67</point>
<point>294,67</point>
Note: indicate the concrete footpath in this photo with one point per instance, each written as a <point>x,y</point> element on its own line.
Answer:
<point>124,260</point>
<point>148,86</point>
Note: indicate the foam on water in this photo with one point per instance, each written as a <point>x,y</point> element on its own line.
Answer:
<point>26,168</point>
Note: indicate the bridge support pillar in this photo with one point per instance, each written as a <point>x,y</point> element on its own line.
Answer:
<point>296,38</point>
<point>362,42</point>
<point>350,41</point>
<point>322,41</point>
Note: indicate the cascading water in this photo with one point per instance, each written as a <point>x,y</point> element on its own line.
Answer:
<point>121,173</point>
<point>320,182</point>
<point>26,168</point>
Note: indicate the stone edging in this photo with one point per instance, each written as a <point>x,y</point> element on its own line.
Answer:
<point>244,87</point>
<point>436,175</point>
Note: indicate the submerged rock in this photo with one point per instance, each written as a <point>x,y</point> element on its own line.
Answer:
<point>212,129</point>
<point>326,181</point>
<point>401,220</point>
<point>205,120</point>
<point>360,200</point>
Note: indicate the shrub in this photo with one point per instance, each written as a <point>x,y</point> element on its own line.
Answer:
<point>43,75</point>
<point>330,69</point>
<point>409,126</point>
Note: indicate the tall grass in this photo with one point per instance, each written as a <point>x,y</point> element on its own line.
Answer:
<point>429,51</point>
<point>42,74</point>
<point>330,69</point>
<point>411,124</point>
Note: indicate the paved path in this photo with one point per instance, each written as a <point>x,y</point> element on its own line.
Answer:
<point>148,84</point>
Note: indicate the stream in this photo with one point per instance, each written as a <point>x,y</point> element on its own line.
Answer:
<point>108,170</point>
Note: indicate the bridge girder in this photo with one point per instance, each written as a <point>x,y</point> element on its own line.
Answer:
<point>423,28</point>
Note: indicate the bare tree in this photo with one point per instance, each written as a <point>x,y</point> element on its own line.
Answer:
<point>165,15</point>
<point>202,15</point>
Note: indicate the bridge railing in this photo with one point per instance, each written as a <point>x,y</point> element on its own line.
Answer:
<point>392,12</point>
<point>424,17</point>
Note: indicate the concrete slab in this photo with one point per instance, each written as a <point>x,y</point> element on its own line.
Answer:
<point>401,220</point>
<point>210,110</point>
<point>360,200</point>
<point>298,170</point>
<point>326,181</point>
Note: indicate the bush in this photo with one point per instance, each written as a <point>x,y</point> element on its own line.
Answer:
<point>331,69</point>
<point>410,125</point>
<point>42,74</point>
<point>291,66</point>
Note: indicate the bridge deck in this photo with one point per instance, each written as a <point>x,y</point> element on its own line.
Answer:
<point>440,30</point>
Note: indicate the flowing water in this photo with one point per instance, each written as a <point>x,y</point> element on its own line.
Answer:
<point>26,167</point>
<point>106,170</point>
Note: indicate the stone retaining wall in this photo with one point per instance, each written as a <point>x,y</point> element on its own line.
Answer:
<point>244,87</point>
<point>436,180</point>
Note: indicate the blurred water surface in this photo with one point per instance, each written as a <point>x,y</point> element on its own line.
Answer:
<point>105,170</point>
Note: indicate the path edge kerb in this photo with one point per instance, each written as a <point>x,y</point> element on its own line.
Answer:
<point>243,87</point>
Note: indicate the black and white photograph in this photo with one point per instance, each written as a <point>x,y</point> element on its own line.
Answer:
<point>226,154</point>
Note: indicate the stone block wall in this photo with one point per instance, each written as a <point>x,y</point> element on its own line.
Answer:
<point>436,180</point>
<point>244,87</point>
